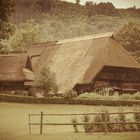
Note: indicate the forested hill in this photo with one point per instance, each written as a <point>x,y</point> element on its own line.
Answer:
<point>26,9</point>
<point>60,19</point>
<point>38,21</point>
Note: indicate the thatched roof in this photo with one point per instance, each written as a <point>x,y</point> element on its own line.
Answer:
<point>35,51</point>
<point>79,60</point>
<point>12,68</point>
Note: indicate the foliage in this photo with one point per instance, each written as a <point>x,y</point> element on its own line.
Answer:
<point>74,121</point>
<point>91,126</point>
<point>25,35</point>
<point>137,119</point>
<point>129,38</point>
<point>62,19</point>
<point>101,95</point>
<point>45,80</point>
<point>100,9</point>
<point>70,94</point>
<point>137,96</point>
<point>87,127</point>
<point>95,95</point>
<point>45,5</point>
<point>6,9</point>
<point>6,28</point>
<point>3,49</point>
<point>127,96</point>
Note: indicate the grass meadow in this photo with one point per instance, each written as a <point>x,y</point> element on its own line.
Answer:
<point>14,122</point>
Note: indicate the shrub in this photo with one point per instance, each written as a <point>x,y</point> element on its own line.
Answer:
<point>87,127</point>
<point>70,94</point>
<point>136,96</point>
<point>137,119</point>
<point>130,127</point>
<point>89,95</point>
<point>45,80</point>
<point>104,94</point>
<point>123,120</point>
<point>24,36</point>
<point>129,36</point>
<point>92,127</point>
<point>126,96</point>
<point>74,121</point>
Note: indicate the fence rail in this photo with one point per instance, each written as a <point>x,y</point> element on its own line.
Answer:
<point>105,123</point>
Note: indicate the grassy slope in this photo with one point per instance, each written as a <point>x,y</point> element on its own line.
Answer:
<point>14,122</point>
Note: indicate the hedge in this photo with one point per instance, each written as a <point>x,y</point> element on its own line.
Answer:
<point>58,100</point>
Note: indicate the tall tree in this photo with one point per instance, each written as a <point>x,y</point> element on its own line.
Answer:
<point>77,2</point>
<point>6,9</point>
<point>45,80</point>
<point>129,37</point>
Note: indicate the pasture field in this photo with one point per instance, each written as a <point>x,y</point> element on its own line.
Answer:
<point>14,122</point>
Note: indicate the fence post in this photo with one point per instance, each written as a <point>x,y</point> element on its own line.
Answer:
<point>105,124</point>
<point>29,124</point>
<point>41,123</point>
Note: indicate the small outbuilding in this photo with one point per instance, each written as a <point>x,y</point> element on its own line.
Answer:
<point>15,72</point>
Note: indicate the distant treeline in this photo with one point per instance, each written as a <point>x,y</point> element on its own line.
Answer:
<point>36,8</point>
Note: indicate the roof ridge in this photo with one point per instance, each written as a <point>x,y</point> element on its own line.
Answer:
<point>86,37</point>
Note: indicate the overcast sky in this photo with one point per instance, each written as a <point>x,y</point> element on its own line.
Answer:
<point>117,3</point>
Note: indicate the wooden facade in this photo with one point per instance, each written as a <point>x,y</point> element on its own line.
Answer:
<point>119,78</point>
<point>15,70</point>
<point>12,85</point>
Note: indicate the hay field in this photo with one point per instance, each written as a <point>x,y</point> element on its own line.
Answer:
<point>14,122</point>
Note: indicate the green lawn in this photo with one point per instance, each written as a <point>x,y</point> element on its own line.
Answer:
<point>14,122</point>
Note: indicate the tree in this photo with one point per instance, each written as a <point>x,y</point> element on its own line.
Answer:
<point>45,5</point>
<point>89,8</point>
<point>129,38</point>
<point>25,35</point>
<point>45,80</point>
<point>6,9</point>
<point>77,2</point>
<point>106,9</point>
<point>6,28</point>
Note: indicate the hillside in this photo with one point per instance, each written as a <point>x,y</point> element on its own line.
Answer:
<point>60,20</point>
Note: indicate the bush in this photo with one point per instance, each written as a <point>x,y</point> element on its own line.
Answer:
<point>89,95</point>
<point>87,127</point>
<point>45,80</point>
<point>90,125</point>
<point>129,36</point>
<point>137,96</point>
<point>70,94</point>
<point>137,119</point>
<point>103,94</point>
<point>74,121</point>
<point>24,36</point>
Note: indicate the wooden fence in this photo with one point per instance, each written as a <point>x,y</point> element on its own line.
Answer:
<point>105,122</point>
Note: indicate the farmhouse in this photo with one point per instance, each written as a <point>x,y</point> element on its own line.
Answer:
<point>35,51</point>
<point>89,63</point>
<point>15,72</point>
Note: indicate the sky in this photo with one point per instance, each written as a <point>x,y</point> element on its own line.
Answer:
<point>117,3</point>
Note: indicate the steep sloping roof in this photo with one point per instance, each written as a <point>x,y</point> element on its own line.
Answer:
<point>79,60</point>
<point>11,67</point>
<point>35,51</point>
